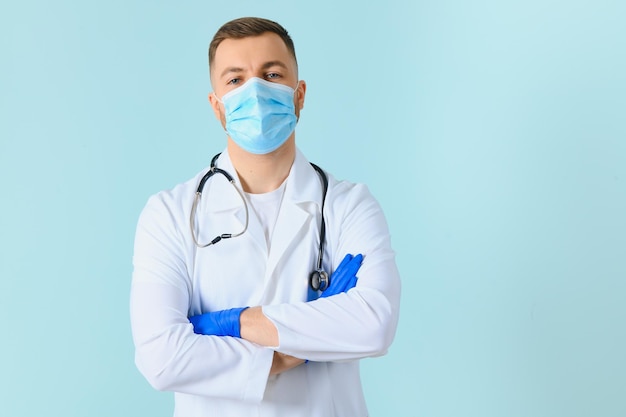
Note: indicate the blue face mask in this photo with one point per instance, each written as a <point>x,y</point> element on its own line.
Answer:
<point>260,115</point>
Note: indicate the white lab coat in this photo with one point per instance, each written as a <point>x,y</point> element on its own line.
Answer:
<point>225,376</point>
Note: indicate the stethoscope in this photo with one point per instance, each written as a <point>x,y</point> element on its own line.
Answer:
<point>318,280</point>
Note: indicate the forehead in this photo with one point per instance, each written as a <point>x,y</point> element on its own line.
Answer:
<point>251,52</point>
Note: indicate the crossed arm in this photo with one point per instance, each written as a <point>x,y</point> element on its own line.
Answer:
<point>252,325</point>
<point>356,324</point>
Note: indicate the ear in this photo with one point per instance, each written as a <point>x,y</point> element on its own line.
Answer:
<point>299,96</point>
<point>215,105</point>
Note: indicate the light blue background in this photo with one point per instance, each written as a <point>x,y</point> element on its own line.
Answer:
<point>492,132</point>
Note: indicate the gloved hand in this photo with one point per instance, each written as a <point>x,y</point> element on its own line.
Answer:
<point>218,323</point>
<point>344,276</point>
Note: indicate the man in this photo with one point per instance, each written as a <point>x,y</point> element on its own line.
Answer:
<point>238,327</point>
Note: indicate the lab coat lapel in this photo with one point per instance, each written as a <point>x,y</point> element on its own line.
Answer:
<point>296,212</point>
<point>289,225</point>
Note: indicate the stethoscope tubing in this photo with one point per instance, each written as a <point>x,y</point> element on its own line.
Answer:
<point>320,254</point>
<point>212,171</point>
<point>319,279</point>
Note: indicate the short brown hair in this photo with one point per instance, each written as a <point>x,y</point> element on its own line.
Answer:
<point>249,26</point>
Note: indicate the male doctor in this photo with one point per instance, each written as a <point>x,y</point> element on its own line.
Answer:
<point>238,327</point>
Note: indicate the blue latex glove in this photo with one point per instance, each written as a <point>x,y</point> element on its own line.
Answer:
<point>344,276</point>
<point>218,323</point>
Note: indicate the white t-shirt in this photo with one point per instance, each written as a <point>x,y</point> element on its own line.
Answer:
<point>266,207</point>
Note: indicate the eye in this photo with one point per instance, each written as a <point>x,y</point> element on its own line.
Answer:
<point>272,76</point>
<point>234,81</point>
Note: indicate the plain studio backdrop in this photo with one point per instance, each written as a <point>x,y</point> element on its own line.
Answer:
<point>493,133</point>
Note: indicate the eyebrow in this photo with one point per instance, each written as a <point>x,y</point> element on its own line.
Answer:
<point>229,70</point>
<point>274,64</point>
<point>265,66</point>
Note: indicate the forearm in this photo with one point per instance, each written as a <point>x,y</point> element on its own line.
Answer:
<point>257,328</point>
<point>337,326</point>
<point>282,363</point>
<point>253,324</point>
<point>353,325</point>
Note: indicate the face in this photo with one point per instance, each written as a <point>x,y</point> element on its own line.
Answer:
<point>265,56</point>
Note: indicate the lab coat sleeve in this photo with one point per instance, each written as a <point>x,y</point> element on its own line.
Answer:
<point>362,322</point>
<point>167,351</point>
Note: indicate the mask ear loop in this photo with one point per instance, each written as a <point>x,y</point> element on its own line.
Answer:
<point>295,91</point>
<point>213,170</point>
<point>225,131</point>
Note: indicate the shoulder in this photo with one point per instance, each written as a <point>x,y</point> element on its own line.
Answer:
<point>348,194</point>
<point>351,206</point>
<point>355,220</point>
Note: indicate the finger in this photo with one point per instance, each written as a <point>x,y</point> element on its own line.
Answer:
<point>347,278</point>
<point>339,273</point>
<point>352,283</point>
<point>354,265</point>
<point>194,322</point>
<point>346,260</point>
<point>199,324</point>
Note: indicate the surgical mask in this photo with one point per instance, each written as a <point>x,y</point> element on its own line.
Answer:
<point>260,115</point>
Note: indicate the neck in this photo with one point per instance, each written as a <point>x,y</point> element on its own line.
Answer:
<point>262,173</point>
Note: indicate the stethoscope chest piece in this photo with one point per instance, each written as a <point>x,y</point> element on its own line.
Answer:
<point>319,280</point>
